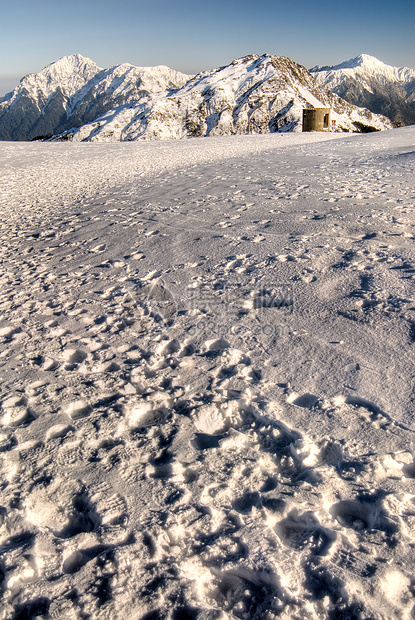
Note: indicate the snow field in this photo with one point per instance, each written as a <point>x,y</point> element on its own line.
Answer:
<point>207,369</point>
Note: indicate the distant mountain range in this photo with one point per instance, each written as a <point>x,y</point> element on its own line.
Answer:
<point>74,99</point>
<point>368,82</point>
<point>74,91</point>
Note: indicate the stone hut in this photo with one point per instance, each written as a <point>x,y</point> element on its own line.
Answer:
<point>316,119</point>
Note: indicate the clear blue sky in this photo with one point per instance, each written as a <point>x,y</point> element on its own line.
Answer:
<point>192,36</point>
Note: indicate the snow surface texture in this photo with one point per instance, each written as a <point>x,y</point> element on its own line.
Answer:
<point>207,354</point>
<point>255,94</point>
<point>368,82</point>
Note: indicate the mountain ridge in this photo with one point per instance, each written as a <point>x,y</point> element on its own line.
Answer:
<point>74,90</point>
<point>74,99</point>
<point>368,82</point>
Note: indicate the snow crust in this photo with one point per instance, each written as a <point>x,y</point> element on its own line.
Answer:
<point>206,352</point>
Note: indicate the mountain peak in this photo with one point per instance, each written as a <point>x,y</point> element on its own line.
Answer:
<point>253,94</point>
<point>367,81</point>
<point>362,60</point>
<point>365,62</point>
<point>69,73</point>
<point>71,63</point>
<point>72,58</point>
<point>366,58</point>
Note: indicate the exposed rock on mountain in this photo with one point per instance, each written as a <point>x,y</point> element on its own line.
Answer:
<point>366,81</point>
<point>75,100</point>
<point>254,94</point>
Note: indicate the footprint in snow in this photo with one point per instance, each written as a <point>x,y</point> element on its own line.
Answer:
<point>99,248</point>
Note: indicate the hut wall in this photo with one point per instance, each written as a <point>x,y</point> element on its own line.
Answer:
<point>316,119</point>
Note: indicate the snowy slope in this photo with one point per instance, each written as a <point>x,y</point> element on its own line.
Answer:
<point>74,90</point>
<point>207,370</point>
<point>254,94</point>
<point>368,82</point>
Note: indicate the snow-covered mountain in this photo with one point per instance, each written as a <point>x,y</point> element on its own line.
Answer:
<point>76,100</point>
<point>366,81</point>
<point>74,91</point>
<point>253,94</point>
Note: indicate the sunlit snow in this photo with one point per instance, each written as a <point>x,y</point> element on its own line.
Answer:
<point>207,362</point>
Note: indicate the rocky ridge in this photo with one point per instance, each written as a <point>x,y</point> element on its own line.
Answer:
<point>74,99</point>
<point>74,91</point>
<point>251,95</point>
<point>366,81</point>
